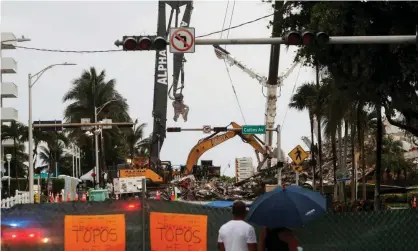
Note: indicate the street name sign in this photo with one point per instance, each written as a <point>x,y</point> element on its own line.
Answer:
<point>254,129</point>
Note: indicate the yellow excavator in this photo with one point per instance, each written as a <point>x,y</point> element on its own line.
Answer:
<point>162,173</point>
<point>215,139</point>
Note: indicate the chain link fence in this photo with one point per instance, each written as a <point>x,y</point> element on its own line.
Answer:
<point>386,230</point>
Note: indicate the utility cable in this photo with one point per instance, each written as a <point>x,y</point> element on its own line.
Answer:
<point>235,93</point>
<point>293,91</point>
<point>235,26</point>
<point>230,21</point>
<point>223,23</point>
<point>226,65</point>
<point>119,50</point>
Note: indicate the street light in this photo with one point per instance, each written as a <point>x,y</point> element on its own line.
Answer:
<point>96,135</point>
<point>8,159</point>
<point>18,40</point>
<point>35,76</point>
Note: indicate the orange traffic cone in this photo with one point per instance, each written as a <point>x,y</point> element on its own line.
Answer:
<point>84,198</point>
<point>414,202</point>
<point>157,195</point>
<point>68,197</point>
<point>173,197</point>
<point>76,197</point>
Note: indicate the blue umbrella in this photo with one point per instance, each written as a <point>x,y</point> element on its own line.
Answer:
<point>291,206</point>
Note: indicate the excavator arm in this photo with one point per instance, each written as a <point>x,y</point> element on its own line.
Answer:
<point>215,139</point>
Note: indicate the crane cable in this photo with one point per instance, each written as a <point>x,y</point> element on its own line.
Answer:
<point>226,65</point>
<point>293,90</point>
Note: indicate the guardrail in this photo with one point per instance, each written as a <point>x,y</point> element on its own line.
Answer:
<point>21,197</point>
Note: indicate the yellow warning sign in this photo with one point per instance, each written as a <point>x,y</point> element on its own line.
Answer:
<point>297,168</point>
<point>298,155</point>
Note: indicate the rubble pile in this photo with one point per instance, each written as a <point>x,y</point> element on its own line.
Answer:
<point>289,176</point>
<point>191,189</point>
<point>214,189</point>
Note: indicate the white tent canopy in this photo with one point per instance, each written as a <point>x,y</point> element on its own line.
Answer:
<point>87,176</point>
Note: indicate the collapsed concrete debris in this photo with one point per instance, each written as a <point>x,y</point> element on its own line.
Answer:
<point>190,189</point>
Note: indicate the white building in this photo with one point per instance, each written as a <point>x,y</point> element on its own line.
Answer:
<point>411,150</point>
<point>8,89</point>
<point>244,168</point>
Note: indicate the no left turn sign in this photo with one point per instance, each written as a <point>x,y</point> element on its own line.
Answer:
<point>182,40</point>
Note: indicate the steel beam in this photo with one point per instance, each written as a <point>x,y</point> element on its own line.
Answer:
<point>407,39</point>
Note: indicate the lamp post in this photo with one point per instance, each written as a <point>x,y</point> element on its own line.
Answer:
<point>8,159</point>
<point>74,158</point>
<point>96,136</point>
<point>31,83</point>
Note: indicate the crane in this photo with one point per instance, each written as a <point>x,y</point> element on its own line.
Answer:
<point>271,97</point>
<point>161,90</point>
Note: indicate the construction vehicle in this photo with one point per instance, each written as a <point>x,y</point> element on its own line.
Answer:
<point>215,139</point>
<point>161,90</point>
<point>271,97</point>
<point>140,167</point>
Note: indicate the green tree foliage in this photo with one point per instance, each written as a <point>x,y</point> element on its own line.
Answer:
<point>372,73</point>
<point>136,143</point>
<point>88,91</point>
<point>16,132</point>
<point>377,75</point>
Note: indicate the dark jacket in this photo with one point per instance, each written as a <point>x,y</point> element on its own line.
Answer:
<point>280,239</point>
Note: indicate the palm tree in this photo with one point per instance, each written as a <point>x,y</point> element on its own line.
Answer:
<point>135,138</point>
<point>54,152</point>
<point>331,123</point>
<point>89,91</point>
<point>144,147</point>
<point>304,99</point>
<point>16,131</point>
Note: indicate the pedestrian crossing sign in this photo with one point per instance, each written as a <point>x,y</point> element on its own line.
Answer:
<point>298,155</point>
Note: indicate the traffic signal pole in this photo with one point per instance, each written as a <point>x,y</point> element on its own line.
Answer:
<point>271,102</point>
<point>72,125</point>
<point>404,39</point>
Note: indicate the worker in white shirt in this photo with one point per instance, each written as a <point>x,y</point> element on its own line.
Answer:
<point>236,234</point>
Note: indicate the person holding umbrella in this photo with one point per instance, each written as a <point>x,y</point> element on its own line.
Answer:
<point>284,208</point>
<point>277,239</point>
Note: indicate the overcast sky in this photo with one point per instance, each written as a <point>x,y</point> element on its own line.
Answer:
<point>96,25</point>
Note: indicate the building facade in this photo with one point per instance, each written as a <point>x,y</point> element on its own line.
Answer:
<point>8,88</point>
<point>244,168</point>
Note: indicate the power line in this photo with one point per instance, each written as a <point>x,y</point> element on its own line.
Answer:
<point>293,90</point>
<point>226,65</point>
<point>235,93</point>
<point>119,50</point>
<point>235,26</point>
<point>66,51</point>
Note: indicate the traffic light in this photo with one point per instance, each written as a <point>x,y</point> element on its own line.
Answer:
<point>57,128</point>
<point>144,43</point>
<point>305,38</point>
<point>173,129</point>
<point>220,129</point>
<point>127,125</point>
